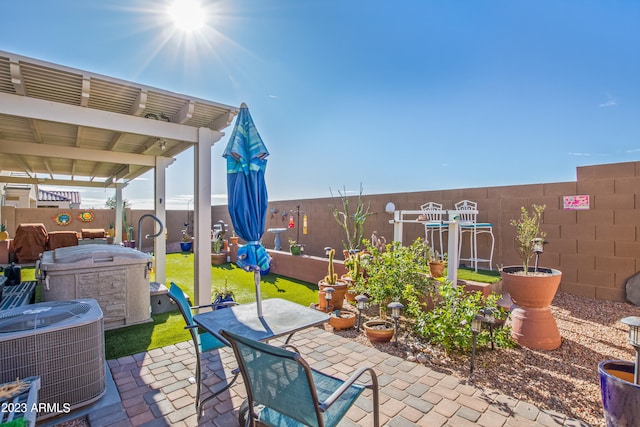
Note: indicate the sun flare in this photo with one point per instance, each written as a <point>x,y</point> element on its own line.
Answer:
<point>187,15</point>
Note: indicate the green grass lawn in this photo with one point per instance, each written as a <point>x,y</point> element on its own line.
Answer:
<point>168,328</point>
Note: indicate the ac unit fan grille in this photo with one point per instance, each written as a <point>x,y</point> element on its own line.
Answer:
<point>27,318</point>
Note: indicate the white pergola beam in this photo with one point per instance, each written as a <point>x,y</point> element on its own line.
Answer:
<point>22,106</point>
<point>75,153</point>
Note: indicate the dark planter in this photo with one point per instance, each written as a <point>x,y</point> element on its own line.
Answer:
<point>186,246</point>
<point>620,396</point>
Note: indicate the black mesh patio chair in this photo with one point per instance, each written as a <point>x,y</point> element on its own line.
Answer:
<point>283,390</point>
<point>203,342</point>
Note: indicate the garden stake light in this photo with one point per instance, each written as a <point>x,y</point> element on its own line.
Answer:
<point>361,304</point>
<point>476,326</point>
<point>538,248</point>
<point>395,308</point>
<point>489,318</point>
<point>328,295</point>
<point>633,322</point>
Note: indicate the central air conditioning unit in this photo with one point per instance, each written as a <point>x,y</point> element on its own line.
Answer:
<point>63,343</point>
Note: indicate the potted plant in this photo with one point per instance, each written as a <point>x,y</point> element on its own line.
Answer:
<point>331,280</point>
<point>437,263</point>
<point>350,220</point>
<point>532,289</point>
<point>353,262</point>
<point>295,248</point>
<point>222,295</point>
<point>392,273</point>
<point>342,319</point>
<point>186,242</point>
<point>218,256</point>
<point>129,242</point>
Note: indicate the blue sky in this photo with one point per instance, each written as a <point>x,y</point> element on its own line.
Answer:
<point>397,95</point>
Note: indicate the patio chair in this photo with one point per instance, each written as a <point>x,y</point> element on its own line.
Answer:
<point>432,212</point>
<point>282,389</point>
<point>203,343</point>
<point>468,212</point>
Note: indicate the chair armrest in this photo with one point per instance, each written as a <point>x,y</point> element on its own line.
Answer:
<point>352,379</point>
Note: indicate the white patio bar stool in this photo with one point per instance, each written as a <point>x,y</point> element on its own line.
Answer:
<point>468,213</point>
<point>432,218</point>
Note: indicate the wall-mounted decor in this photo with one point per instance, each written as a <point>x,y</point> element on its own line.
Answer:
<point>86,216</point>
<point>63,218</point>
<point>573,203</point>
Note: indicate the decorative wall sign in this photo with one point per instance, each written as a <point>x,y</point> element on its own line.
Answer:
<point>86,216</point>
<point>63,218</point>
<point>574,203</point>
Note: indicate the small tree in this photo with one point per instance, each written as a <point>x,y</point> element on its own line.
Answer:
<point>352,223</point>
<point>527,230</point>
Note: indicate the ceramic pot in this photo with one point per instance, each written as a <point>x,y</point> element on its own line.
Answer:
<point>345,320</point>
<point>620,395</point>
<point>295,250</point>
<point>218,259</point>
<point>378,330</point>
<point>436,269</point>
<point>186,246</point>
<point>533,324</point>
<point>340,290</point>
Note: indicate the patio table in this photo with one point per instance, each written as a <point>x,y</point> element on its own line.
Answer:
<point>279,318</point>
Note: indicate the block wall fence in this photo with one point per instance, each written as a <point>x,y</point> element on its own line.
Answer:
<point>597,249</point>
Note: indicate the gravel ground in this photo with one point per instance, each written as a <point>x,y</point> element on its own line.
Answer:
<point>564,380</point>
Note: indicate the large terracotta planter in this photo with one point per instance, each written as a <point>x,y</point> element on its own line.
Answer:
<point>532,323</point>
<point>378,330</point>
<point>344,320</point>
<point>340,290</point>
<point>620,395</point>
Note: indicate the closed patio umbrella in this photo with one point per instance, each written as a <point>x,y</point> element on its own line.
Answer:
<point>247,194</point>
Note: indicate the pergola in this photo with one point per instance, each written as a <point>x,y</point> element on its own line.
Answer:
<point>64,126</point>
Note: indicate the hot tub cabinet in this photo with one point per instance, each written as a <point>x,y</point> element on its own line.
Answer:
<point>115,276</point>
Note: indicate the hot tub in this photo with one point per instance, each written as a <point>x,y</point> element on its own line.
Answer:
<point>115,276</point>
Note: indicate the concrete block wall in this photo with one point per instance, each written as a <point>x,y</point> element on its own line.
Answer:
<point>597,250</point>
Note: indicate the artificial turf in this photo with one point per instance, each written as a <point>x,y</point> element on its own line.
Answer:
<point>168,328</point>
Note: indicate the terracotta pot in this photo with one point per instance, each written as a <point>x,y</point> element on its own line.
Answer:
<point>340,290</point>
<point>351,292</point>
<point>234,240</point>
<point>378,330</point>
<point>531,291</point>
<point>620,395</point>
<point>345,320</point>
<point>218,259</point>
<point>436,269</point>
<point>532,323</point>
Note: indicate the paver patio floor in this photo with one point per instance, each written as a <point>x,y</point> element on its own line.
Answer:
<point>157,389</point>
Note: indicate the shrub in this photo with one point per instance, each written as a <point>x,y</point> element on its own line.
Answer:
<point>448,324</point>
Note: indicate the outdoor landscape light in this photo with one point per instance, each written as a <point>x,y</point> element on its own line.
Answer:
<point>633,322</point>
<point>328,294</point>
<point>538,248</point>
<point>476,327</point>
<point>361,304</point>
<point>488,317</point>
<point>395,308</point>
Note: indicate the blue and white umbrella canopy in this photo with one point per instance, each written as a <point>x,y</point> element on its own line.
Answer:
<point>247,194</point>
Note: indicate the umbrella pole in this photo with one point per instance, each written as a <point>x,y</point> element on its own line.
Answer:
<point>256,278</point>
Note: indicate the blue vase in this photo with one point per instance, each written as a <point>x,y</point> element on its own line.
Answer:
<point>185,246</point>
<point>620,395</point>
